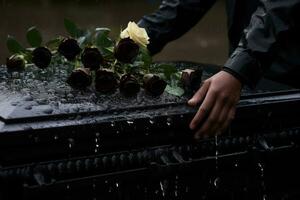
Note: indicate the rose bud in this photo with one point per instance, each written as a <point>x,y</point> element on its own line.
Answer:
<point>129,85</point>
<point>91,58</point>
<point>41,57</point>
<point>69,48</point>
<point>126,50</point>
<point>154,85</point>
<point>80,78</point>
<point>191,79</point>
<point>15,63</point>
<point>106,81</point>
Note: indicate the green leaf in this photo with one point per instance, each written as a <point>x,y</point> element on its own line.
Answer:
<point>145,57</point>
<point>34,37</point>
<point>72,28</point>
<point>85,39</point>
<point>54,43</point>
<point>103,30</point>
<point>104,43</point>
<point>168,70</point>
<point>13,45</point>
<point>110,49</point>
<point>103,40</point>
<point>174,90</point>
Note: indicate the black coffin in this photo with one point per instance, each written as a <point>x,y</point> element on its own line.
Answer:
<point>145,150</point>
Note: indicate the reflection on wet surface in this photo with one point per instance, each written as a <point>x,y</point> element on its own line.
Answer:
<point>204,43</point>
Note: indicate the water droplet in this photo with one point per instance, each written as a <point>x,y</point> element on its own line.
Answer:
<point>48,110</point>
<point>217,182</point>
<point>151,121</point>
<point>112,124</point>
<point>28,98</point>
<point>217,152</point>
<point>97,140</point>
<point>169,121</point>
<point>130,123</point>
<point>71,143</point>
<point>14,103</point>
<point>41,101</point>
<point>55,137</point>
<point>28,107</point>
<point>70,96</point>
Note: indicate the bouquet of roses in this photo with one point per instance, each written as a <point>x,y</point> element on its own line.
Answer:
<point>103,63</point>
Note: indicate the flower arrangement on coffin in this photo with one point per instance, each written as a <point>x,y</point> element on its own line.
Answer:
<point>100,62</point>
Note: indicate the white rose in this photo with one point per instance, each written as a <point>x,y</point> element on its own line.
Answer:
<point>137,34</point>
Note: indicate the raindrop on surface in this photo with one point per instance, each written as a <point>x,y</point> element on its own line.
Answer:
<point>55,137</point>
<point>169,121</point>
<point>28,98</point>
<point>70,96</point>
<point>75,109</point>
<point>151,121</point>
<point>112,124</point>
<point>42,101</point>
<point>48,110</point>
<point>68,188</point>
<point>14,103</point>
<point>71,143</point>
<point>130,123</point>
<point>97,140</point>
<point>217,182</point>
<point>28,107</point>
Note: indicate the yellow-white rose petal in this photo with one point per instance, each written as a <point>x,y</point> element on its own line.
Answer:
<point>137,34</point>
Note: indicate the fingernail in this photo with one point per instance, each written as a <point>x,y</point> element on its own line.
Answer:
<point>192,126</point>
<point>191,101</point>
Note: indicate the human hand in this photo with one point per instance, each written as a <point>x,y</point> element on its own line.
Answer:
<point>219,94</point>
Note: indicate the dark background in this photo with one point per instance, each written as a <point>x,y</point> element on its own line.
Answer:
<point>206,42</point>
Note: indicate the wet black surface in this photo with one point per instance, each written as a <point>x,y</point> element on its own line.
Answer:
<point>59,143</point>
<point>34,96</point>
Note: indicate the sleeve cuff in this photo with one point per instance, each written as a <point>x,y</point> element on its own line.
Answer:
<point>245,67</point>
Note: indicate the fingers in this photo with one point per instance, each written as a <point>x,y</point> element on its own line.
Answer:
<point>216,119</point>
<point>212,121</point>
<point>231,116</point>
<point>204,109</point>
<point>220,95</point>
<point>199,95</point>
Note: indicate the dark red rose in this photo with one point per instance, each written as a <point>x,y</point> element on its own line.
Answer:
<point>80,78</point>
<point>69,48</point>
<point>15,63</point>
<point>106,81</point>
<point>91,58</point>
<point>41,57</point>
<point>154,85</point>
<point>126,50</point>
<point>191,79</point>
<point>129,85</point>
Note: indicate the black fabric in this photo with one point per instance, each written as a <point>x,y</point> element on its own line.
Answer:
<point>263,35</point>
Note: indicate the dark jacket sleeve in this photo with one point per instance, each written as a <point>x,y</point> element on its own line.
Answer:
<point>172,20</point>
<point>257,47</point>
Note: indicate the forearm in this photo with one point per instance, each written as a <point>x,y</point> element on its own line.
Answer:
<point>172,20</point>
<point>258,45</point>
